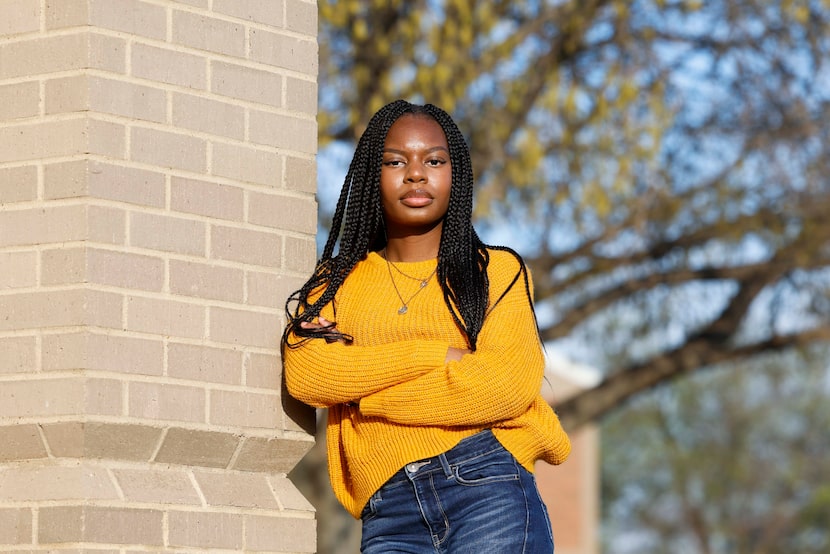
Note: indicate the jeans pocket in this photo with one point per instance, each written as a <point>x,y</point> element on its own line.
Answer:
<point>370,510</point>
<point>493,467</point>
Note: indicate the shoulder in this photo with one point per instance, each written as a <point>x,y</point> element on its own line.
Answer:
<point>367,267</point>
<point>504,264</point>
<point>506,271</point>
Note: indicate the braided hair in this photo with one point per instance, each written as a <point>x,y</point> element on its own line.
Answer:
<point>359,225</point>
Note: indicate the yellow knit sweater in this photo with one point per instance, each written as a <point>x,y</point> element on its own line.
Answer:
<point>392,399</point>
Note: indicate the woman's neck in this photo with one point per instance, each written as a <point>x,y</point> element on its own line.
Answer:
<point>411,249</point>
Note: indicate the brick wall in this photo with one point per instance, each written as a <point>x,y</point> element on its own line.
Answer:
<point>571,491</point>
<point>157,182</point>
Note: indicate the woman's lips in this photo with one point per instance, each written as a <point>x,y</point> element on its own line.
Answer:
<point>416,199</point>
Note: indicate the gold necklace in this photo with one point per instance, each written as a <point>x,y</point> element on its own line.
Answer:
<point>407,275</point>
<point>423,283</point>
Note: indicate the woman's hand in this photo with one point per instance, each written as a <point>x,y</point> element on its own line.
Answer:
<point>455,354</point>
<point>323,324</point>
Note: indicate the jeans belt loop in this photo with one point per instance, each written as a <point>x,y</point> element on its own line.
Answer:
<point>445,465</point>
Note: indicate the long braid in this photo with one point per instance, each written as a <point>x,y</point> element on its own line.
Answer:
<point>463,258</point>
<point>357,225</point>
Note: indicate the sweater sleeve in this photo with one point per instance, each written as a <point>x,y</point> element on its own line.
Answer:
<point>322,374</point>
<point>497,382</point>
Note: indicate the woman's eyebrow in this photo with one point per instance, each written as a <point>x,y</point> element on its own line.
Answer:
<point>428,150</point>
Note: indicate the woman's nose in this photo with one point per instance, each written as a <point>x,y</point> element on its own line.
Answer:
<point>415,173</point>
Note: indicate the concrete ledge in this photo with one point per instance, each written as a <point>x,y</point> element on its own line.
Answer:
<point>50,502</point>
<point>84,440</point>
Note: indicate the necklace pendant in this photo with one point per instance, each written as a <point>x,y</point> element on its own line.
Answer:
<point>402,310</point>
<point>423,284</point>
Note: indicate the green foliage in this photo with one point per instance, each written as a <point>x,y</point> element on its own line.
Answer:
<point>732,461</point>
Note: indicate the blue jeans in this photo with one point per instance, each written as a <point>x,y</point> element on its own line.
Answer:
<point>475,498</point>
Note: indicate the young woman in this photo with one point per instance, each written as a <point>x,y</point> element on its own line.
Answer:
<point>422,342</point>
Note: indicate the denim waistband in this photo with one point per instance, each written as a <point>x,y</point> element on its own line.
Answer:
<point>483,442</point>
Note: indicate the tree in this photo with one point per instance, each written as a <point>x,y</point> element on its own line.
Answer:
<point>733,461</point>
<point>666,160</point>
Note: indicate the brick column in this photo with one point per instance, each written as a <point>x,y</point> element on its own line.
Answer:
<point>157,182</point>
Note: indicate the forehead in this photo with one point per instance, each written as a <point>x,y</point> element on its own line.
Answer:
<point>416,128</point>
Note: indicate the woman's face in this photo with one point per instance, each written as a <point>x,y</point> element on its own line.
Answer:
<point>416,175</point>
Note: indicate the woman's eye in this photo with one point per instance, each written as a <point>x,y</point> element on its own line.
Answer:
<point>393,163</point>
<point>436,162</point>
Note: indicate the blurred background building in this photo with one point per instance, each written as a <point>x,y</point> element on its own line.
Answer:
<point>572,491</point>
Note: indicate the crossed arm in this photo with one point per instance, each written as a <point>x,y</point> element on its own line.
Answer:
<point>428,382</point>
